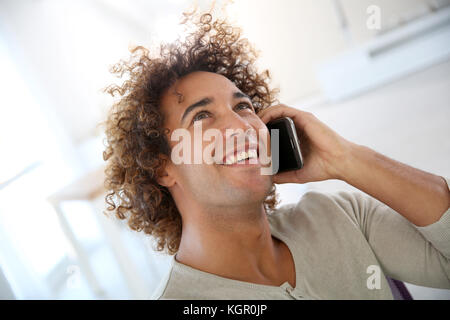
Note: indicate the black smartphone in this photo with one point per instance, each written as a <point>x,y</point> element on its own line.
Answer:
<point>289,153</point>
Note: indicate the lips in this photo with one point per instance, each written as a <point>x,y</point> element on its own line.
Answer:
<point>247,151</point>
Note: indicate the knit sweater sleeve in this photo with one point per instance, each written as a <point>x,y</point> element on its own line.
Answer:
<point>406,252</point>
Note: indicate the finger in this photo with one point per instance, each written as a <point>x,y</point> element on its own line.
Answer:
<point>275,112</point>
<point>270,108</point>
<point>265,110</point>
<point>299,117</point>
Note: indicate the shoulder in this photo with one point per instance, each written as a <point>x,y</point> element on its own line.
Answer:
<point>321,210</point>
<point>183,283</point>
<point>161,288</point>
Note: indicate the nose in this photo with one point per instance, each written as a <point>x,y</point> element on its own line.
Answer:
<point>236,131</point>
<point>234,122</point>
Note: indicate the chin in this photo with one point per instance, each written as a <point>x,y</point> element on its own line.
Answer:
<point>259,187</point>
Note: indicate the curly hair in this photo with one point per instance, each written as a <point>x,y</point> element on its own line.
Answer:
<point>135,137</point>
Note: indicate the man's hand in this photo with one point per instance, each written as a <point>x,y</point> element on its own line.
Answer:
<point>323,150</point>
<point>419,196</point>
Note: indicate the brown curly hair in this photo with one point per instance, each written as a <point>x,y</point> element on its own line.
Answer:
<point>135,137</point>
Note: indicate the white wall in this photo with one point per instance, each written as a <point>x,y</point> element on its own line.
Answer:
<point>295,36</point>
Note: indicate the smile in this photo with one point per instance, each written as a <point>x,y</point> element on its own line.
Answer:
<point>241,156</point>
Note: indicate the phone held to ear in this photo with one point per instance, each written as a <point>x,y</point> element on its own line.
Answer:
<point>289,153</point>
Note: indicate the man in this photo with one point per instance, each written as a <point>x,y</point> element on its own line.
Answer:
<point>227,232</point>
<point>326,246</point>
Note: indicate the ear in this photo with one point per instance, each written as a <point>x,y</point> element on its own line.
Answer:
<point>165,175</point>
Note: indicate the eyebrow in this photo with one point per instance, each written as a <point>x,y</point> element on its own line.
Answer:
<point>209,100</point>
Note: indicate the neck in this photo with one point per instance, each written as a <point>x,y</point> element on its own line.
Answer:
<point>234,243</point>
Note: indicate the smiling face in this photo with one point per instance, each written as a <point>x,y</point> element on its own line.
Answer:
<point>215,102</point>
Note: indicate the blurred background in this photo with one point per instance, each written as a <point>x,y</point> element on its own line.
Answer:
<point>375,71</point>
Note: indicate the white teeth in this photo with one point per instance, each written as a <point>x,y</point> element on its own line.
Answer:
<point>252,153</point>
<point>242,155</point>
<point>231,159</point>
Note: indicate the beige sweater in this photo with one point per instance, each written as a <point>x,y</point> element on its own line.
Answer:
<point>343,244</point>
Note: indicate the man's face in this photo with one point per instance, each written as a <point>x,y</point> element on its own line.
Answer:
<point>225,107</point>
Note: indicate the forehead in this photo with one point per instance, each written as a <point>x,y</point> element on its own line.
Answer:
<point>196,85</point>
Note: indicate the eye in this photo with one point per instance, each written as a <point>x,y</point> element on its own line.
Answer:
<point>204,114</point>
<point>199,116</point>
<point>244,105</point>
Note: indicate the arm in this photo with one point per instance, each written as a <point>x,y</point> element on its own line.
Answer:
<point>417,255</point>
<point>419,196</point>
<point>406,221</point>
<point>419,251</point>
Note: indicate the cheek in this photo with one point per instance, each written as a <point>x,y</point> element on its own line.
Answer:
<point>263,136</point>
<point>260,127</point>
<point>184,176</point>
<point>193,175</point>
<point>257,123</point>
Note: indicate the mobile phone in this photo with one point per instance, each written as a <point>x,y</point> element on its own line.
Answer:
<point>289,153</point>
